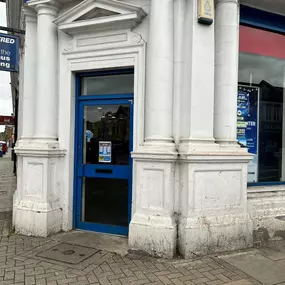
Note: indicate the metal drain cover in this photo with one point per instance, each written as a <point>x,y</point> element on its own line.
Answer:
<point>68,253</point>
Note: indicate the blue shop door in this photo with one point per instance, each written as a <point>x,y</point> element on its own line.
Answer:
<point>104,168</point>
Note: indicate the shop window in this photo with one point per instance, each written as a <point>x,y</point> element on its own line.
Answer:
<point>261,112</point>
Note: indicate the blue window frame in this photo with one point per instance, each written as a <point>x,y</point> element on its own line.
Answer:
<point>261,19</point>
<point>119,171</point>
<point>268,21</point>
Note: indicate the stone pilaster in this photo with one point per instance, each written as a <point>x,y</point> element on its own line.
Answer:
<point>46,99</point>
<point>226,72</point>
<point>197,94</point>
<point>213,202</point>
<point>153,227</point>
<point>37,208</point>
<point>29,74</point>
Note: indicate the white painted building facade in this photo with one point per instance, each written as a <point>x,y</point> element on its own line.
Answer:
<point>188,185</point>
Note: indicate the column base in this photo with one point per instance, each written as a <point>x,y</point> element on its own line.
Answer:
<point>39,219</point>
<point>153,227</point>
<point>206,235</point>
<point>155,235</point>
<point>36,209</point>
<point>213,199</point>
<point>231,146</point>
<point>198,145</point>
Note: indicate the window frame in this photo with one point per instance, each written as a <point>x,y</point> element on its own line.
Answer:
<point>270,22</point>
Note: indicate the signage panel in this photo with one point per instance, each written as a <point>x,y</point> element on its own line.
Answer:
<point>9,52</point>
<point>247,125</point>
<point>7,120</point>
<point>105,152</point>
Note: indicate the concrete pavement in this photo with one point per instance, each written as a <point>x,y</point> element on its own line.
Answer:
<point>72,259</point>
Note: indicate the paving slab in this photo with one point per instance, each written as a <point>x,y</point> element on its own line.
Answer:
<point>68,253</point>
<point>240,282</point>
<point>256,265</point>
<point>109,243</point>
<point>274,250</point>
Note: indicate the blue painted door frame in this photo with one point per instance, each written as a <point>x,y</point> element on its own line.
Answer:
<point>89,170</point>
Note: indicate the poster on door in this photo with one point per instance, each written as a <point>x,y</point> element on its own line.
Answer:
<point>247,125</point>
<point>105,152</point>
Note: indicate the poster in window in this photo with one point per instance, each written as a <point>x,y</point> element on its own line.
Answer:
<point>105,152</point>
<point>247,125</point>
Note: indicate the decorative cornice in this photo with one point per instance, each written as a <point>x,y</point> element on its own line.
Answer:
<point>44,153</point>
<point>30,14</point>
<point>226,1</point>
<point>33,148</point>
<point>216,157</point>
<point>44,9</point>
<point>51,6</point>
<point>33,3</point>
<point>125,16</point>
<point>148,154</point>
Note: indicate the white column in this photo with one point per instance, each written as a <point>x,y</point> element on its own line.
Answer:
<point>46,99</point>
<point>153,227</point>
<point>226,71</point>
<point>213,212</point>
<point>197,96</point>
<point>29,74</point>
<point>39,177</point>
<point>159,75</point>
<point>179,20</point>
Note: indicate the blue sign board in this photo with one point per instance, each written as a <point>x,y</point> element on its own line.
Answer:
<point>9,52</point>
<point>247,125</point>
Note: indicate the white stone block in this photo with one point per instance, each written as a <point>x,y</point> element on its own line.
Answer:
<point>213,204</point>
<point>36,209</point>
<point>37,219</point>
<point>153,227</point>
<point>155,235</point>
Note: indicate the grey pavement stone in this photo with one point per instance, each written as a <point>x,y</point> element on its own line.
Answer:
<point>240,282</point>
<point>20,263</point>
<point>274,250</point>
<point>258,266</point>
<point>99,241</point>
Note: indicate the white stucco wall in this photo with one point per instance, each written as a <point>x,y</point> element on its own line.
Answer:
<point>266,207</point>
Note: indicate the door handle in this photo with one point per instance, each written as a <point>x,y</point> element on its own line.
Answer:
<point>104,171</point>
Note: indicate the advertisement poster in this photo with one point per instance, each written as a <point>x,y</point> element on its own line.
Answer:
<point>247,125</point>
<point>105,152</point>
<point>9,52</point>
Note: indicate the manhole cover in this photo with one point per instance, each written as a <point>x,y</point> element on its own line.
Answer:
<point>68,253</point>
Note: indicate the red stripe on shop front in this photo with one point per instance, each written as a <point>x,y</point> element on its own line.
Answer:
<point>261,42</point>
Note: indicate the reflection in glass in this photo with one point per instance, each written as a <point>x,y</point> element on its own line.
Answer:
<point>264,67</point>
<point>107,123</point>
<point>105,201</point>
<point>108,84</point>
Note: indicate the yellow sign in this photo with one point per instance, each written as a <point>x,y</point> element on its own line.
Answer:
<point>206,12</point>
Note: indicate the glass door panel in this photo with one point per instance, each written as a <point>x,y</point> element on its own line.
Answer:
<point>105,162</point>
